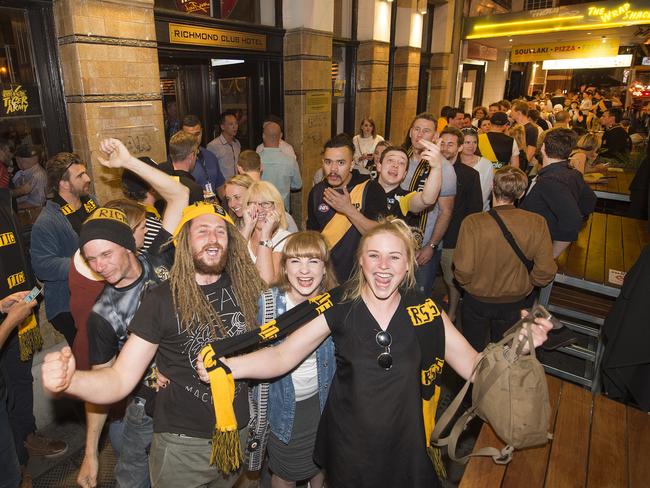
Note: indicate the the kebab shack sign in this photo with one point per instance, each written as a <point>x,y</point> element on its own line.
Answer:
<point>564,50</point>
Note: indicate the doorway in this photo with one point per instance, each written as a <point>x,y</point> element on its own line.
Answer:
<point>250,88</point>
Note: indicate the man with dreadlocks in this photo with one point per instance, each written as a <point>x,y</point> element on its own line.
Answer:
<point>212,293</point>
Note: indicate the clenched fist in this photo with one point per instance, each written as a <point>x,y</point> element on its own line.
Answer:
<point>57,370</point>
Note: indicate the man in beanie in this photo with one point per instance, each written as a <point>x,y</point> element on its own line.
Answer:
<point>107,243</point>
<point>55,236</point>
<point>212,293</point>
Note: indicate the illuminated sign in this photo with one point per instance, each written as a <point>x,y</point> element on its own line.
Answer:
<point>559,19</point>
<point>19,100</point>
<point>194,6</point>
<point>620,61</point>
<point>205,36</point>
<point>563,50</point>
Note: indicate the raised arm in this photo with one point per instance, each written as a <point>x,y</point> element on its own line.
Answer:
<point>102,386</point>
<point>272,362</point>
<point>429,194</point>
<point>171,190</point>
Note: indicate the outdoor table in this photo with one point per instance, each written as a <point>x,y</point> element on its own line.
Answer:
<point>597,442</point>
<point>615,185</point>
<point>606,248</point>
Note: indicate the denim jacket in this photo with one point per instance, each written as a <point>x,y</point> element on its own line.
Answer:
<point>282,399</point>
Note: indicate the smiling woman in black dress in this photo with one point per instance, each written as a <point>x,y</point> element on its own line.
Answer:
<point>376,423</point>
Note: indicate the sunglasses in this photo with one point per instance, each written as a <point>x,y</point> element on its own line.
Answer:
<point>384,360</point>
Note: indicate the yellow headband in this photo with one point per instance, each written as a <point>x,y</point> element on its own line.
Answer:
<point>111,214</point>
<point>201,208</point>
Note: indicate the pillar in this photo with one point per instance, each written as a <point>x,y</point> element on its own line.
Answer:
<point>109,61</point>
<point>307,83</point>
<point>373,33</point>
<point>444,61</point>
<point>408,39</point>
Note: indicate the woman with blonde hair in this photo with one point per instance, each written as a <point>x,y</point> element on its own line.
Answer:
<point>265,207</point>
<point>297,399</point>
<point>584,155</point>
<point>391,346</point>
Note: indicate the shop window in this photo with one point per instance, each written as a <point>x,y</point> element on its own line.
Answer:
<point>21,119</point>
<point>537,4</point>
<point>251,11</point>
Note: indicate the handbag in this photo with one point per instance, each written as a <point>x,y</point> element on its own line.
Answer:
<point>510,393</point>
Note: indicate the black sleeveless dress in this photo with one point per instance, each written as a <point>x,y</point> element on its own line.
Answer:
<point>371,432</point>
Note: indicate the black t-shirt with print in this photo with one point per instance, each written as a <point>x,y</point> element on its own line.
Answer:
<point>185,406</point>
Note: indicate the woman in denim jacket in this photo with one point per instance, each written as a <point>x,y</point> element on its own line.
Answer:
<point>297,399</point>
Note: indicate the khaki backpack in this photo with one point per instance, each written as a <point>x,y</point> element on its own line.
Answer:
<point>510,393</point>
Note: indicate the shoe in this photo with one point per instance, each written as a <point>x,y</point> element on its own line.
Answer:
<point>42,446</point>
<point>26,480</point>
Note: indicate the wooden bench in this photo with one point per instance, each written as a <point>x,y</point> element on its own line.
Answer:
<point>597,443</point>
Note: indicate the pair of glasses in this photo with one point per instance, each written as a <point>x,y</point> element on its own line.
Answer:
<point>264,205</point>
<point>384,360</point>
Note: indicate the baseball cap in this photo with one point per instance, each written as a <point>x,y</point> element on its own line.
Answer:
<point>499,118</point>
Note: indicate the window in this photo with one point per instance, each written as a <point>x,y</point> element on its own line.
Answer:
<point>21,119</point>
<point>537,4</point>
<point>251,11</point>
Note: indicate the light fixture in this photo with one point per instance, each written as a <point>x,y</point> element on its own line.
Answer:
<point>588,33</point>
<point>225,62</point>
<point>422,6</point>
<point>509,40</point>
<point>389,1</point>
<point>620,61</point>
<point>603,39</point>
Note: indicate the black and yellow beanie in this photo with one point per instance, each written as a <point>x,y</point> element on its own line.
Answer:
<point>109,224</point>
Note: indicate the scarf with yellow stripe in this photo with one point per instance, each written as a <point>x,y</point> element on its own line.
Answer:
<point>425,318</point>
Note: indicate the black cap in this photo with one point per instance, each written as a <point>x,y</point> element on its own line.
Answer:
<point>132,183</point>
<point>27,151</point>
<point>499,118</point>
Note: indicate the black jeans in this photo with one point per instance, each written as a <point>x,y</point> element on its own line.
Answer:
<point>486,322</point>
<point>64,323</point>
<point>20,395</point>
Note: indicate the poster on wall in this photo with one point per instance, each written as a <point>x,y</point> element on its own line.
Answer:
<point>19,100</point>
<point>234,97</point>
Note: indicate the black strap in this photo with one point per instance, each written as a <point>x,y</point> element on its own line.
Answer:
<point>511,240</point>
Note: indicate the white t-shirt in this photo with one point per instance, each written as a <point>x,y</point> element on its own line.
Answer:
<point>365,145</point>
<point>278,241</point>
<point>486,175</point>
<point>305,376</point>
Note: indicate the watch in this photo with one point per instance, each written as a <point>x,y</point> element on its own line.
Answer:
<point>268,243</point>
<point>432,245</point>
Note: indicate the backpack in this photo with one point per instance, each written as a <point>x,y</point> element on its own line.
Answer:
<point>510,393</point>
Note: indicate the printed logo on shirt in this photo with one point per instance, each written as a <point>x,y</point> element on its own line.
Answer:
<point>323,302</point>
<point>67,209</point>
<point>89,206</point>
<point>16,279</point>
<point>7,239</point>
<point>323,207</point>
<point>430,374</point>
<point>423,313</point>
<point>268,331</point>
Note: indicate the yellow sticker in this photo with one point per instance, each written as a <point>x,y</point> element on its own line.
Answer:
<point>423,313</point>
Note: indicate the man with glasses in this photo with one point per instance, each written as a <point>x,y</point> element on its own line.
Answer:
<point>55,235</point>
<point>345,205</point>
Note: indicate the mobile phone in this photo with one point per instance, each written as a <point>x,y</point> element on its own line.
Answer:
<point>32,294</point>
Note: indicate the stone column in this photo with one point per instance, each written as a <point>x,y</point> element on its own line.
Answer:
<point>307,85</point>
<point>406,69</point>
<point>109,61</point>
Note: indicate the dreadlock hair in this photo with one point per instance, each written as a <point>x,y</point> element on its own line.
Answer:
<point>189,301</point>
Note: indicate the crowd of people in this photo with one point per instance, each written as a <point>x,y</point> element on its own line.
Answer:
<point>138,286</point>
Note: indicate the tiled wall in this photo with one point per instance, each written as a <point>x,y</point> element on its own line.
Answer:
<point>405,91</point>
<point>109,62</point>
<point>372,82</point>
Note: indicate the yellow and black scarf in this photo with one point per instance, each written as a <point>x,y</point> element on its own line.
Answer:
<point>226,451</point>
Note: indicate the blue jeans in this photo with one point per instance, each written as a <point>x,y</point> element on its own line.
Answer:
<point>8,458</point>
<point>132,469</point>
<point>425,275</point>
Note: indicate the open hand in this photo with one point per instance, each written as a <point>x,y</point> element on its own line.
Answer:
<point>338,201</point>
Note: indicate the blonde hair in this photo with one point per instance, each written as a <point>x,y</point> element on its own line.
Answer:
<point>397,228</point>
<point>519,134</point>
<point>243,181</point>
<point>267,192</point>
<point>135,213</point>
<point>191,305</point>
<point>588,142</point>
<point>306,244</point>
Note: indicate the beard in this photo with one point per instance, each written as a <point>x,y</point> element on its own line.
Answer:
<point>210,269</point>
